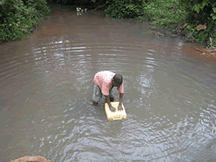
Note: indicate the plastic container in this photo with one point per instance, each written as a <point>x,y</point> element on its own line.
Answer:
<point>117,115</point>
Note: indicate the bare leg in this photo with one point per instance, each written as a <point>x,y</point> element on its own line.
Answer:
<point>111,99</point>
<point>95,103</point>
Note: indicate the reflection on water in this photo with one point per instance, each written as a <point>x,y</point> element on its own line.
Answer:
<point>46,88</point>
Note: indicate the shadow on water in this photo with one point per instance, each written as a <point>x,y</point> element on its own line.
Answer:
<point>46,87</point>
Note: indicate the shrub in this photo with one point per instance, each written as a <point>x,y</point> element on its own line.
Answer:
<point>202,12</point>
<point>165,12</point>
<point>18,18</point>
<point>125,8</point>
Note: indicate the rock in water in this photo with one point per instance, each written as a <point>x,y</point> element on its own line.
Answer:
<point>31,159</point>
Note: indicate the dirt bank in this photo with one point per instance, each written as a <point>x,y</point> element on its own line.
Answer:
<point>200,52</point>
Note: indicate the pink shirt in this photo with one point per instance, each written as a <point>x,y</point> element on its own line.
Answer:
<point>103,80</point>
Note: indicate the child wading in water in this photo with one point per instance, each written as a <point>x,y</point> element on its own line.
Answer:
<point>104,81</point>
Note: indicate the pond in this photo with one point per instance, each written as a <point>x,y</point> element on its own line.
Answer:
<point>46,85</point>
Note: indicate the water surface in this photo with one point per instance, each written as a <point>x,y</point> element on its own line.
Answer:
<point>46,89</point>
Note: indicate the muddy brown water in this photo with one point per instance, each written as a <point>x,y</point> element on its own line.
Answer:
<point>46,89</point>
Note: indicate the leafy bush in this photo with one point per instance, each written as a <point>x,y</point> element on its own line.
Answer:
<point>202,12</point>
<point>165,12</point>
<point>82,3</point>
<point>18,18</point>
<point>125,8</point>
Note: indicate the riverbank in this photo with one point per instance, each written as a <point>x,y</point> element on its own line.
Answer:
<point>198,48</point>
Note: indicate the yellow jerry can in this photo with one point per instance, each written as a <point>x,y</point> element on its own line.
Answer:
<point>117,115</point>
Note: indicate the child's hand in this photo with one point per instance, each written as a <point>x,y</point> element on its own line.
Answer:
<point>120,108</point>
<point>112,109</point>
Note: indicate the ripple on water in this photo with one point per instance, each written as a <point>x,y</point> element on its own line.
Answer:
<point>47,87</point>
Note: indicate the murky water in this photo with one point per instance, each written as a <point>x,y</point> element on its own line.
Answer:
<point>46,89</point>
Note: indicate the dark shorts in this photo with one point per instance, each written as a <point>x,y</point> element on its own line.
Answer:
<point>97,94</point>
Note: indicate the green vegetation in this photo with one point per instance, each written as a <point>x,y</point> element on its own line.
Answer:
<point>19,17</point>
<point>126,8</point>
<point>201,18</point>
<point>196,19</point>
<point>165,12</point>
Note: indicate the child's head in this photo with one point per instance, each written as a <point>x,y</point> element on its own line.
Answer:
<point>118,79</point>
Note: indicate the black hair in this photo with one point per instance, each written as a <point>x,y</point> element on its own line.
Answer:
<point>118,79</point>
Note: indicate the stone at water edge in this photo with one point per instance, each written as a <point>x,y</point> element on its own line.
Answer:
<point>31,159</point>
